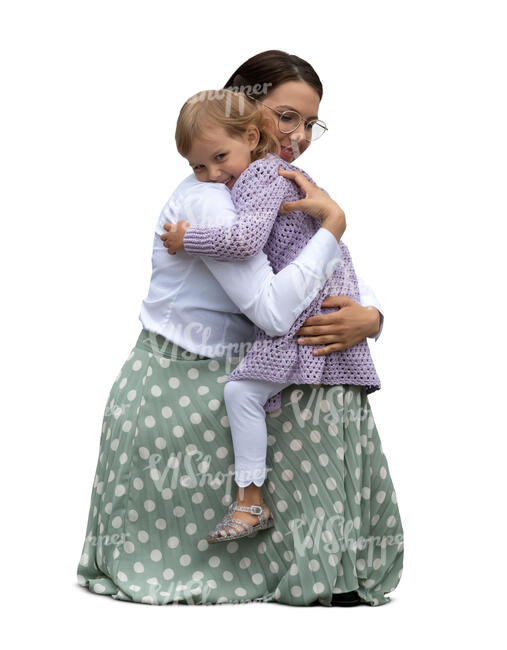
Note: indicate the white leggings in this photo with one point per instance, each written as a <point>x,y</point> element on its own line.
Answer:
<point>244,401</point>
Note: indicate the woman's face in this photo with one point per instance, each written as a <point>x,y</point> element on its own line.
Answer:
<point>295,96</point>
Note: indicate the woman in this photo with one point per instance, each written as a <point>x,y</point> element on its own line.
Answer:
<point>164,470</point>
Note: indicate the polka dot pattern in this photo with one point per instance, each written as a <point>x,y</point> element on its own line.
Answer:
<point>164,477</point>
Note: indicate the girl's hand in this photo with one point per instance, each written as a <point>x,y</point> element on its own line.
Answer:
<point>173,239</point>
<point>342,329</point>
<point>316,202</point>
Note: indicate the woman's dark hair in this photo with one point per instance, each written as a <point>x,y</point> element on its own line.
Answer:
<point>265,71</point>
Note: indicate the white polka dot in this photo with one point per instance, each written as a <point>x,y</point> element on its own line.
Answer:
<point>306,466</point>
<point>193,373</point>
<point>184,400</point>
<point>167,412</point>
<point>213,365</point>
<point>203,390</point>
<point>213,404</point>
<point>294,570</point>
<point>137,365</point>
<point>174,382</point>
<point>119,490</point>
<point>209,435</point>
<point>380,496</point>
<point>144,452</point>
<point>149,505</point>
<point>161,524</point>
<point>117,522</point>
<point>195,418</point>
<point>156,391</point>
<point>173,542</point>
<point>315,436</point>
<point>296,445</point>
<point>227,576</point>
<point>149,421</point>
<point>222,452</point>
<point>160,443</point>
<point>138,567</point>
<point>257,578</point>
<point>168,574</point>
<point>178,431</point>
<point>143,536</point>
<point>331,483</point>
<point>296,591</point>
<point>318,587</point>
<point>131,395</point>
<point>214,561</point>
<point>156,555</point>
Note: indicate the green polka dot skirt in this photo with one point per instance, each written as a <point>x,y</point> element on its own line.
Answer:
<point>165,477</point>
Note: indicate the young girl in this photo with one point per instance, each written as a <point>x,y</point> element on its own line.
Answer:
<point>225,140</point>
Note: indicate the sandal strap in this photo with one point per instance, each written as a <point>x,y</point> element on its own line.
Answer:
<point>238,525</point>
<point>254,510</point>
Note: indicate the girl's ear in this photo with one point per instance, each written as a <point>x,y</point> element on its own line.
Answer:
<point>253,136</point>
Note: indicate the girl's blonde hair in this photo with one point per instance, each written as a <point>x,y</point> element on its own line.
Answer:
<point>229,109</point>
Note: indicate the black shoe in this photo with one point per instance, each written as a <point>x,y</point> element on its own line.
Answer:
<point>347,599</point>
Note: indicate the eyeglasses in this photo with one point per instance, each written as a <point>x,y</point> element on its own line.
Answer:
<point>288,121</point>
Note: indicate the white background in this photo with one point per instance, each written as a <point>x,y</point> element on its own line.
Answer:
<point>414,97</point>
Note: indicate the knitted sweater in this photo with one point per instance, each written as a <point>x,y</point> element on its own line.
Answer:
<point>257,195</point>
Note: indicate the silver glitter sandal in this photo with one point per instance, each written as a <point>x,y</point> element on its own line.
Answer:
<point>240,527</point>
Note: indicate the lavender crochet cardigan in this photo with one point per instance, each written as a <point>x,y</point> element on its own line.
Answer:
<point>257,195</point>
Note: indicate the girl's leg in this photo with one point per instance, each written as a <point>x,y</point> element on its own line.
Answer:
<point>244,401</point>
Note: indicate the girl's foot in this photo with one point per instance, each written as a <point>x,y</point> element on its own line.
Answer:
<point>248,496</point>
<point>247,517</point>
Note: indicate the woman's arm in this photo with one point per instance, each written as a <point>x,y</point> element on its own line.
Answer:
<point>352,322</point>
<point>369,299</point>
<point>274,301</point>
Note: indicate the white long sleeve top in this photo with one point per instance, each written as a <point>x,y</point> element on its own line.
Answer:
<point>209,307</point>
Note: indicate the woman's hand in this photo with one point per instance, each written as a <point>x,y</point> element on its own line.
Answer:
<point>316,203</point>
<point>173,239</point>
<point>342,329</point>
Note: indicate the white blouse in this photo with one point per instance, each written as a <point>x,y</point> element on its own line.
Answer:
<point>208,306</point>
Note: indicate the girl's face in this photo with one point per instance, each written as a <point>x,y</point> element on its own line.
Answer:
<point>291,96</point>
<point>216,157</point>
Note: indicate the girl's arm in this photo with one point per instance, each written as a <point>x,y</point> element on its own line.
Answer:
<point>258,199</point>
